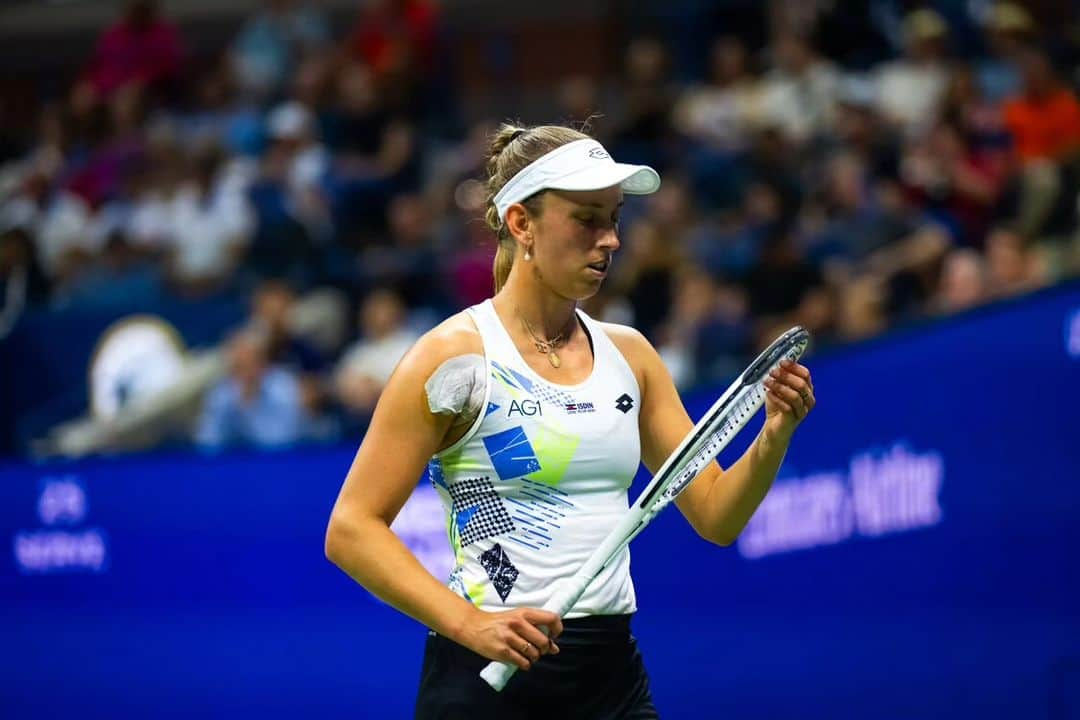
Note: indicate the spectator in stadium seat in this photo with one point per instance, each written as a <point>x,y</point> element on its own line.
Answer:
<point>22,283</point>
<point>1012,265</point>
<point>644,131</point>
<point>297,164</point>
<point>396,35</point>
<point>646,274</point>
<point>696,321</point>
<point>799,94</point>
<point>963,283</point>
<point>861,310</point>
<point>910,90</point>
<point>408,260</point>
<point>367,364</point>
<point>1044,121</point>
<point>1045,118</point>
<point>210,225</point>
<point>856,218</point>
<point>272,306</point>
<point>375,153</point>
<point>954,180</point>
<point>1007,29</point>
<point>257,404</point>
<point>271,41</point>
<point>141,49</point>
<point>718,117</point>
<point>119,276</point>
<point>783,287</point>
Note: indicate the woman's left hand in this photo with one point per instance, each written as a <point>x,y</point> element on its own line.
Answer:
<point>789,398</point>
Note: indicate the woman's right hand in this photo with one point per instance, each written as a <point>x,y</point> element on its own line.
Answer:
<point>514,636</point>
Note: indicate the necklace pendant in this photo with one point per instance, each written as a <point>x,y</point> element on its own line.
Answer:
<point>554,359</point>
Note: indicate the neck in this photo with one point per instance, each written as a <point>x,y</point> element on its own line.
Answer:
<point>546,313</point>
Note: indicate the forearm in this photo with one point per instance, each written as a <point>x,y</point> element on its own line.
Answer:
<point>372,555</point>
<point>737,492</point>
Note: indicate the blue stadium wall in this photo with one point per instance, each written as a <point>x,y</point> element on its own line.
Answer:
<point>917,558</point>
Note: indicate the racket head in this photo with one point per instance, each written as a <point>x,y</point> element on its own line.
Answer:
<point>789,346</point>
<point>728,415</point>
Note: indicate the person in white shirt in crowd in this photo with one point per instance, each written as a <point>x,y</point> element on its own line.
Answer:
<point>300,162</point>
<point>368,363</point>
<point>210,224</point>
<point>910,90</point>
<point>720,113</point>
<point>798,96</point>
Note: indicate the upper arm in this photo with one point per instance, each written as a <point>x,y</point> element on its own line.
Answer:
<point>403,433</point>
<point>663,421</point>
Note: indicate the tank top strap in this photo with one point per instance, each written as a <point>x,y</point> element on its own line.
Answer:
<point>494,336</point>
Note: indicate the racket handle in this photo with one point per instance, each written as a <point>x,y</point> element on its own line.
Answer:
<point>497,674</point>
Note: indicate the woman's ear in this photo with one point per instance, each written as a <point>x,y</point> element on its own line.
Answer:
<point>518,222</point>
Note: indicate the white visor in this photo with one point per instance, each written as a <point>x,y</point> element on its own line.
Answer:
<point>579,165</point>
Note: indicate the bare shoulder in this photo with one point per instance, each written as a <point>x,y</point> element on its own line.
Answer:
<point>634,346</point>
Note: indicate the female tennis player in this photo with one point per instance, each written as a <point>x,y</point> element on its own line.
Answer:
<point>531,419</point>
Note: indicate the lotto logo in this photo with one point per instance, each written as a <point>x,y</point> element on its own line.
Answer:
<point>624,403</point>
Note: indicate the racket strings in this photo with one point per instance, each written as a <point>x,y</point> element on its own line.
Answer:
<point>743,407</point>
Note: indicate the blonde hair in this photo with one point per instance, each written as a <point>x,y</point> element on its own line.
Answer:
<point>512,149</point>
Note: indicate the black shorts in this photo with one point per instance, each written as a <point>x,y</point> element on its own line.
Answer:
<point>597,675</point>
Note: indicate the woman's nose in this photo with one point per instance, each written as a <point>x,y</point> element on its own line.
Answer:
<point>609,239</point>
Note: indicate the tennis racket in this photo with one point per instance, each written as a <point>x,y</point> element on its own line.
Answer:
<point>728,415</point>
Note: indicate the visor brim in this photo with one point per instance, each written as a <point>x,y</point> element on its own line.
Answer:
<point>633,179</point>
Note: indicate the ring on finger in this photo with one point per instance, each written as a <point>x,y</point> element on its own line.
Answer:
<point>525,650</point>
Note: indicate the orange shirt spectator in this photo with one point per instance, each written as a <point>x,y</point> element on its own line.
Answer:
<point>394,34</point>
<point>1044,119</point>
<point>1044,128</point>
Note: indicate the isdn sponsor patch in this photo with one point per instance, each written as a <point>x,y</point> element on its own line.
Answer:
<point>579,408</point>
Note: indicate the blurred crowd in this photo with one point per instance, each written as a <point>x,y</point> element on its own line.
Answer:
<point>852,169</point>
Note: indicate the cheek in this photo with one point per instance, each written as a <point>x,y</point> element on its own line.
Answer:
<point>565,240</point>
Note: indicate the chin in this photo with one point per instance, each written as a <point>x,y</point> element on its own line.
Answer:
<point>589,291</point>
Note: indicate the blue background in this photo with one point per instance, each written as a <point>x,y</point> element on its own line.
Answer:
<point>218,602</point>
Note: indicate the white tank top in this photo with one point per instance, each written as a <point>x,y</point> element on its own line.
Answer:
<point>540,478</point>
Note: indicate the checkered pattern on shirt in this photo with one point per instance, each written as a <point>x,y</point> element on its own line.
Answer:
<point>490,517</point>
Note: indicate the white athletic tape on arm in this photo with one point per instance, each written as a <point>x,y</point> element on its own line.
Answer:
<point>457,387</point>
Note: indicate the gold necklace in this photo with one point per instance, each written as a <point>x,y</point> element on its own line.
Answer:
<point>546,347</point>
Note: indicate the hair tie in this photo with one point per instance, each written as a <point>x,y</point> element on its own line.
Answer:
<point>516,134</point>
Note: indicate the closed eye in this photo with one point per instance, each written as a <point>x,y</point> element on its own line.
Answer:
<point>593,222</point>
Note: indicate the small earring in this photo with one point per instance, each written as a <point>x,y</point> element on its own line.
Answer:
<point>528,255</point>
